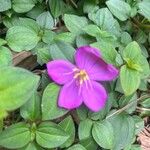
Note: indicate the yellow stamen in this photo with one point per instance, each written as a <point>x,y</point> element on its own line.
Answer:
<point>81,75</point>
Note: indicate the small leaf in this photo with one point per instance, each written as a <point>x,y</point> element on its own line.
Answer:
<point>5,5</point>
<point>15,136</point>
<point>62,50</point>
<point>77,147</point>
<point>75,24</point>
<point>50,109</point>
<point>16,87</point>
<point>57,7</point>
<point>122,10</point>
<point>22,6</point>
<point>5,56</point>
<point>68,125</point>
<point>50,135</point>
<point>130,80</point>
<point>124,130</point>
<point>102,17</point>
<point>103,134</point>
<point>45,20</point>
<point>132,52</point>
<point>21,38</point>
<point>31,109</point>
<point>144,9</point>
<point>85,128</point>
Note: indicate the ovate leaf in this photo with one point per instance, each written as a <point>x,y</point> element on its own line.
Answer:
<point>21,38</point>
<point>50,109</point>
<point>15,136</point>
<point>22,6</point>
<point>50,135</point>
<point>103,134</point>
<point>130,80</point>
<point>144,9</point>
<point>5,5</point>
<point>68,126</point>
<point>119,8</point>
<point>5,56</point>
<point>16,87</point>
<point>75,24</point>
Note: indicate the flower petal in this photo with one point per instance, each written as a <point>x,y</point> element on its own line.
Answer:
<point>95,97</point>
<point>70,97</point>
<point>60,71</point>
<point>89,58</point>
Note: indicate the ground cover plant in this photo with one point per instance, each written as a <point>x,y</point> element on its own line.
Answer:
<point>74,74</point>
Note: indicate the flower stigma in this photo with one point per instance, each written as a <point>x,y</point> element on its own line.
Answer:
<point>80,75</point>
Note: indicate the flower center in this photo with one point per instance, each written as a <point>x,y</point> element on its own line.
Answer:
<point>81,76</point>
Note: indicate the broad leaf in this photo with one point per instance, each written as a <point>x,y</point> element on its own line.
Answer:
<point>5,5</point>
<point>130,80</point>
<point>68,125</point>
<point>75,23</point>
<point>22,6</point>
<point>5,56</point>
<point>15,136</point>
<point>16,87</point>
<point>50,135</point>
<point>119,8</point>
<point>103,134</point>
<point>50,109</point>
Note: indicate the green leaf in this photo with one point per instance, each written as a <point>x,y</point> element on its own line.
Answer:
<point>89,144</point>
<point>103,134</point>
<point>29,23</point>
<point>62,50</point>
<point>126,38</point>
<point>31,109</point>
<point>67,37</point>
<point>92,30</point>
<point>77,147</point>
<point>107,50</point>
<point>21,38</point>
<point>132,52</point>
<point>68,125</point>
<point>22,6</point>
<point>32,146</point>
<point>102,17</point>
<point>130,80</point>
<point>75,24</point>
<point>144,9</point>
<point>57,7</point>
<point>5,56</point>
<point>15,136</point>
<point>45,20</point>
<point>50,109</point>
<point>16,87</point>
<point>84,130</point>
<point>122,10</point>
<point>84,39</point>
<point>89,5</point>
<point>48,36</point>
<point>2,42</point>
<point>124,130</point>
<point>42,52</point>
<point>124,100</point>
<point>5,5</point>
<point>50,135</point>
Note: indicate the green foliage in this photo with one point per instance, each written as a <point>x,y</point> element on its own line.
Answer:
<point>49,103</point>
<point>50,135</point>
<point>35,32</point>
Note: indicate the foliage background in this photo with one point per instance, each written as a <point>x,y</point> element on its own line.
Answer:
<point>33,32</point>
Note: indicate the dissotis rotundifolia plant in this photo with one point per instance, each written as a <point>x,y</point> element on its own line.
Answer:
<point>81,80</point>
<point>74,74</point>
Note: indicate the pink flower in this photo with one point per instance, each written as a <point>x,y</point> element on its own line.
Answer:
<point>80,81</point>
